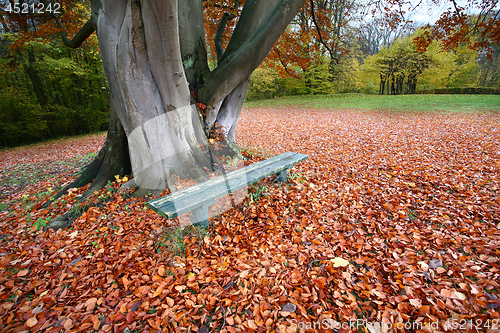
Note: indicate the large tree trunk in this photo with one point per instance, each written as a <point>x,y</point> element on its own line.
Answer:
<point>148,66</point>
<point>150,50</point>
<point>230,111</point>
<point>113,159</point>
<point>140,49</point>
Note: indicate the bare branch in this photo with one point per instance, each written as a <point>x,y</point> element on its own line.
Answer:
<point>457,8</point>
<point>84,32</point>
<point>319,31</point>
<point>220,32</point>
<point>284,65</point>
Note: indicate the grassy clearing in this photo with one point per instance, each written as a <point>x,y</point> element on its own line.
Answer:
<point>16,178</point>
<point>29,173</point>
<point>419,103</point>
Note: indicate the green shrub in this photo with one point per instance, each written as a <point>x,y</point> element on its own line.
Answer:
<point>463,90</point>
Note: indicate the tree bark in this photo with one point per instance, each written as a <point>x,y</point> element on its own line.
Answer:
<point>227,114</point>
<point>113,159</point>
<point>230,110</point>
<point>236,66</point>
<point>141,54</point>
<point>192,42</point>
<point>154,57</point>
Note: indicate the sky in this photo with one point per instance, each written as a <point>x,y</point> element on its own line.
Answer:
<point>428,12</point>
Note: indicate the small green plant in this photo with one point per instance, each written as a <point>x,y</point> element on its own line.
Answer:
<point>231,161</point>
<point>12,297</point>
<point>412,215</point>
<point>28,217</point>
<point>109,187</point>
<point>299,176</point>
<point>176,244</point>
<point>40,223</point>
<point>198,231</point>
<point>173,240</point>
<point>257,192</point>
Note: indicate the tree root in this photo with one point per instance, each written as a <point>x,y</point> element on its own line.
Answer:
<point>65,220</point>
<point>113,159</point>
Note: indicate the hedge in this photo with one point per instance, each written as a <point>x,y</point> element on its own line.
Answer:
<point>464,90</point>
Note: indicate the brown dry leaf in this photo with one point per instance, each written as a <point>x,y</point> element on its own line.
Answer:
<point>31,322</point>
<point>416,302</point>
<point>287,309</point>
<point>90,304</point>
<point>68,323</point>
<point>339,262</point>
<point>23,272</point>
<point>252,325</point>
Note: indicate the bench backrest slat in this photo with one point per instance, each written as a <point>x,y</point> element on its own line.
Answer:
<point>207,192</point>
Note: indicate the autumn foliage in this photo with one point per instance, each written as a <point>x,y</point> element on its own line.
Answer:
<point>394,218</point>
<point>480,30</point>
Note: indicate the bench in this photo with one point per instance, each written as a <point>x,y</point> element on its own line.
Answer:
<point>198,198</point>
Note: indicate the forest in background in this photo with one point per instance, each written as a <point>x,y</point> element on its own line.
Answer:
<point>50,90</point>
<point>377,57</point>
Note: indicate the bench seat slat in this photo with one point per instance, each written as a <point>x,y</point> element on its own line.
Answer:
<point>207,192</point>
<point>214,181</point>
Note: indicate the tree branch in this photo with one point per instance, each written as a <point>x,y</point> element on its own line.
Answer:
<point>284,65</point>
<point>457,8</point>
<point>84,32</point>
<point>319,32</point>
<point>254,11</point>
<point>220,32</point>
<point>237,65</point>
<point>192,42</point>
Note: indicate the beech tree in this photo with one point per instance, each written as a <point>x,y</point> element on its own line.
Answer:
<point>165,102</point>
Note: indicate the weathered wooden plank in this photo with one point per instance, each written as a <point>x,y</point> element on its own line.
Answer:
<point>212,182</point>
<point>205,194</point>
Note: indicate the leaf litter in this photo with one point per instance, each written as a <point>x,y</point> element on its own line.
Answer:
<point>394,218</point>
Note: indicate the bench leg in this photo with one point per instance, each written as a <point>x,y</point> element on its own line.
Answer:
<point>199,216</point>
<point>282,175</point>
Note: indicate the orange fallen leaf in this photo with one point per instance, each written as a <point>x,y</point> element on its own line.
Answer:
<point>31,322</point>
<point>23,272</point>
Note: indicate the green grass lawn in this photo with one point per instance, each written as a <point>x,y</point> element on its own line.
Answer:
<point>449,103</point>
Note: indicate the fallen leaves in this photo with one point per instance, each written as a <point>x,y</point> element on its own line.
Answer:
<point>339,262</point>
<point>287,309</point>
<point>393,218</point>
<point>31,322</point>
<point>22,273</point>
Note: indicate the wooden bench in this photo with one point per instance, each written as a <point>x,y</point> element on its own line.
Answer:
<point>198,198</point>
